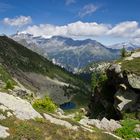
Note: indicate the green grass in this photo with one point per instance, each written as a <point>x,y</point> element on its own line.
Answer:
<point>126,131</point>
<point>132,66</point>
<point>78,116</point>
<point>5,76</point>
<point>36,130</point>
<point>18,58</point>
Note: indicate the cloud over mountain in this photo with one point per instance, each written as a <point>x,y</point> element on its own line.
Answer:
<point>127,29</point>
<point>79,29</point>
<point>124,29</point>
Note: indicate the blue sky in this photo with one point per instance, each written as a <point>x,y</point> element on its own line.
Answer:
<point>104,20</point>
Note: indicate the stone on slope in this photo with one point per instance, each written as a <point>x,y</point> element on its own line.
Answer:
<point>137,129</point>
<point>3,108</point>
<point>60,122</point>
<point>21,108</point>
<point>135,55</point>
<point>2,117</point>
<point>3,132</point>
<point>125,100</point>
<point>104,124</point>
<point>110,126</point>
<point>134,81</point>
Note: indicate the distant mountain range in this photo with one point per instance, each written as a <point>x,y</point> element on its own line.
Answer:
<point>68,53</point>
<point>131,45</point>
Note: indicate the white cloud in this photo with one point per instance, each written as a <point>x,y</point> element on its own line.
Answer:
<point>68,2</point>
<point>87,10</point>
<point>18,21</point>
<point>76,29</point>
<point>126,30</point>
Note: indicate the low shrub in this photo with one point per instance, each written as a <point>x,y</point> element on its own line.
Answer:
<point>127,130</point>
<point>25,130</point>
<point>9,85</point>
<point>40,120</point>
<point>44,105</point>
<point>78,116</point>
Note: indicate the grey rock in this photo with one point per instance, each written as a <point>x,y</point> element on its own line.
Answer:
<point>9,114</point>
<point>21,108</point>
<point>134,81</point>
<point>125,100</point>
<point>3,132</point>
<point>2,117</point>
<point>3,108</point>
<point>60,122</point>
<point>110,126</point>
<point>116,68</point>
<point>137,128</point>
<point>104,124</point>
<point>59,111</point>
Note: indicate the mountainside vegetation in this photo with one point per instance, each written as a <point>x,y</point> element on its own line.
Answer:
<point>31,69</point>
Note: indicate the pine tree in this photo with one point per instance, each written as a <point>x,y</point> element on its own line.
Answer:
<point>123,52</point>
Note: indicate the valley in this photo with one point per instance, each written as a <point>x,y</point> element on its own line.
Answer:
<point>69,70</point>
<point>97,106</point>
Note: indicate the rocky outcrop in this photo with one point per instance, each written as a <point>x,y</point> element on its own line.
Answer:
<point>20,108</point>
<point>127,89</point>
<point>134,81</point>
<point>119,94</point>
<point>60,122</point>
<point>104,124</point>
<point>3,132</point>
<point>137,128</point>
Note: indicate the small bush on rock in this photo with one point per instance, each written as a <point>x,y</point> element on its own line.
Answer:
<point>9,85</point>
<point>44,105</point>
<point>78,116</point>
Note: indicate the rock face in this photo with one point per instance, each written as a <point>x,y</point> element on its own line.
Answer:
<point>120,93</point>
<point>21,108</point>
<point>3,132</point>
<point>125,100</point>
<point>137,129</point>
<point>104,124</point>
<point>127,89</point>
<point>134,81</point>
<point>60,122</point>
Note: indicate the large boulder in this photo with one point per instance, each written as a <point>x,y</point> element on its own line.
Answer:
<point>134,81</point>
<point>104,124</point>
<point>125,100</point>
<point>22,109</point>
<point>3,132</point>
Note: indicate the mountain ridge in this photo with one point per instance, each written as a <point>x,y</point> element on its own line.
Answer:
<point>66,52</point>
<point>37,73</point>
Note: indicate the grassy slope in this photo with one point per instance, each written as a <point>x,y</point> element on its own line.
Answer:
<point>18,57</point>
<point>44,130</point>
<point>132,66</point>
<point>4,75</point>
